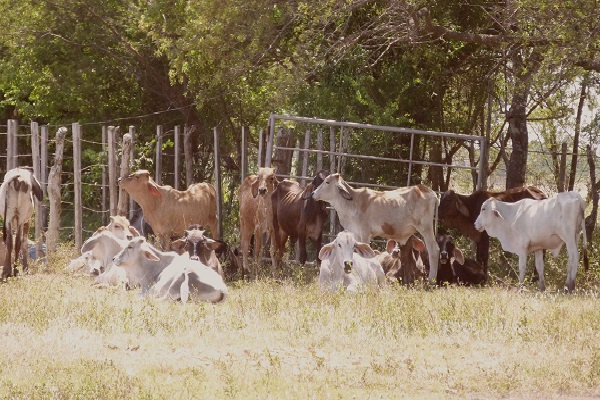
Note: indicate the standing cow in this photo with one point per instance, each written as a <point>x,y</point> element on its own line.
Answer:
<point>460,211</point>
<point>298,216</point>
<point>169,211</point>
<point>393,214</point>
<point>256,215</point>
<point>16,209</point>
<point>530,226</point>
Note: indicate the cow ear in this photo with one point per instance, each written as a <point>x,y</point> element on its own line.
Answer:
<point>88,245</point>
<point>497,213</point>
<point>389,247</point>
<point>153,190</point>
<point>459,256</point>
<point>178,244</point>
<point>462,208</point>
<point>150,255</point>
<point>254,187</point>
<point>326,251</point>
<point>418,244</point>
<point>134,231</point>
<point>344,192</point>
<point>364,250</point>
<point>211,244</point>
<point>36,188</point>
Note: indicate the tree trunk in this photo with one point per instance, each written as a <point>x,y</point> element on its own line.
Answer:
<point>525,66</point>
<point>582,96</point>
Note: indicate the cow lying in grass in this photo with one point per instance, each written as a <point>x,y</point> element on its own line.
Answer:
<point>175,276</point>
<point>349,264</point>
<point>200,247</point>
<point>403,263</point>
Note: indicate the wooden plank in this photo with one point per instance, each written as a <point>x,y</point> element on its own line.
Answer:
<point>78,228</point>
<point>218,188</point>
<point>54,192</point>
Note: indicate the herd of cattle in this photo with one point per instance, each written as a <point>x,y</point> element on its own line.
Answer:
<point>184,264</point>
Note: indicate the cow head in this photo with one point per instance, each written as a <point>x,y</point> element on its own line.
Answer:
<point>318,179</point>
<point>139,182</point>
<point>121,228</point>
<point>135,248</point>
<point>489,215</point>
<point>197,244</point>
<point>265,182</point>
<point>451,206</point>
<point>332,187</point>
<point>407,259</point>
<point>448,250</point>
<point>342,250</point>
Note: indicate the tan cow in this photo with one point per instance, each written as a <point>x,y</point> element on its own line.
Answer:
<point>393,214</point>
<point>256,214</point>
<point>169,211</point>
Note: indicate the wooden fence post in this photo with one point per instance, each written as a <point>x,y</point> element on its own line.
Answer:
<point>218,187</point>
<point>305,156</point>
<point>320,148</point>
<point>244,160</point>
<point>78,228</point>
<point>261,140</point>
<point>177,146</point>
<point>132,156</point>
<point>11,144</point>
<point>44,174</point>
<point>158,162</point>
<point>54,192</point>
<point>35,158</point>
<point>113,131</point>
<point>123,195</point>
<point>187,153</point>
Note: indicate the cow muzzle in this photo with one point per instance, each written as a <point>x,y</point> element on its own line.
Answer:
<point>348,266</point>
<point>195,258</point>
<point>262,191</point>
<point>443,257</point>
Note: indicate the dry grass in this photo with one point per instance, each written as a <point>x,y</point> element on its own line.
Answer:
<point>63,339</point>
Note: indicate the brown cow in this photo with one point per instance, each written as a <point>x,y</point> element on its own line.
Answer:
<point>298,216</point>
<point>256,214</point>
<point>460,212</point>
<point>200,247</point>
<point>393,214</point>
<point>169,211</point>
<point>454,267</point>
<point>403,263</point>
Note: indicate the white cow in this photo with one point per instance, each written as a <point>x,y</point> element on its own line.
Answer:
<point>175,276</point>
<point>530,226</point>
<point>349,263</point>
<point>102,247</point>
<point>393,214</point>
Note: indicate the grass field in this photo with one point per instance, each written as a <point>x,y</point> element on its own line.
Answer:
<point>64,339</point>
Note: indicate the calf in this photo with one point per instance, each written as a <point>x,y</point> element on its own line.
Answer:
<point>16,208</point>
<point>348,263</point>
<point>454,268</point>
<point>298,216</point>
<point>256,215</point>
<point>102,247</point>
<point>403,263</point>
<point>393,214</point>
<point>529,226</point>
<point>200,247</point>
<point>176,276</point>
<point>460,212</point>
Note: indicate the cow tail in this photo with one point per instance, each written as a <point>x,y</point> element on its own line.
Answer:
<point>586,261</point>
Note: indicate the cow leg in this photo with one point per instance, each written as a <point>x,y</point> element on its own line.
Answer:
<point>573,253</point>
<point>433,251</point>
<point>522,269</point>
<point>483,252</point>
<point>302,256</point>
<point>8,267</point>
<point>258,249</point>
<point>539,267</point>
<point>280,241</point>
<point>23,247</point>
<point>318,243</point>
<point>7,270</point>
